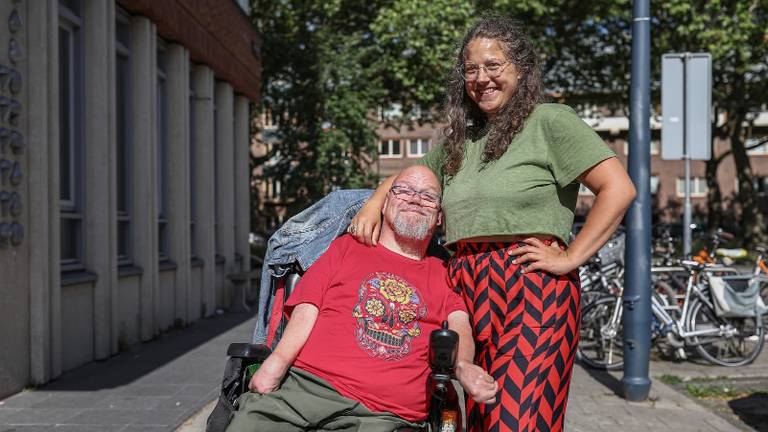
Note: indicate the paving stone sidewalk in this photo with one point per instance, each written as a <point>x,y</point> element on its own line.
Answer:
<point>167,385</point>
<point>595,406</point>
<point>153,389</point>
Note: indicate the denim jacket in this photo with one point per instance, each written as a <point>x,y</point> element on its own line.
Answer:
<point>301,240</point>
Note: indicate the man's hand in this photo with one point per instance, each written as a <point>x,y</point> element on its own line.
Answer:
<point>480,386</point>
<point>268,377</point>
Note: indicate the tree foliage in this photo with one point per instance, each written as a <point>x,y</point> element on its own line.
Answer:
<point>735,33</point>
<point>316,89</point>
<point>329,66</point>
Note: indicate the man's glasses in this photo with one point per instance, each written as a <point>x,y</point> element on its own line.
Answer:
<point>492,70</point>
<point>426,199</point>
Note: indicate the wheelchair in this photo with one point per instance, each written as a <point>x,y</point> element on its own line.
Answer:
<point>445,412</point>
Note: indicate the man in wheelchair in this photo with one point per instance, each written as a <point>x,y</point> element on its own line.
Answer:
<point>354,355</point>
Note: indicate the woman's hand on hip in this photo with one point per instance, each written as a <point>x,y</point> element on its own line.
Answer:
<point>536,255</point>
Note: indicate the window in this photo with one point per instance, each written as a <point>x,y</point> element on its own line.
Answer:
<point>418,147</point>
<point>761,185</point>
<point>272,188</point>
<point>759,150</point>
<point>233,173</point>
<point>654,184</point>
<point>698,187</point>
<point>70,135</point>
<point>124,126</point>
<point>655,147</point>
<point>162,153</point>
<point>217,199</point>
<point>192,160</point>
<point>389,149</point>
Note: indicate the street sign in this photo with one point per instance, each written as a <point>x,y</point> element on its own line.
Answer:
<point>686,104</point>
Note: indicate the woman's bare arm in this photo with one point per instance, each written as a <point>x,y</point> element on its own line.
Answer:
<point>367,222</point>
<point>614,192</point>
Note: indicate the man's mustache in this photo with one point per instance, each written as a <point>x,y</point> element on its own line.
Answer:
<point>414,208</point>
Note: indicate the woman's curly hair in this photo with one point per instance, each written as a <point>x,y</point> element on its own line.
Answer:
<point>466,120</point>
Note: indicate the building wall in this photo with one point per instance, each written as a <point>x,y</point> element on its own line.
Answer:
<point>110,149</point>
<point>16,202</point>
<point>394,157</point>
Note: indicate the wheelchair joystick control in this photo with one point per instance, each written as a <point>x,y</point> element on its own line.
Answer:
<point>444,345</point>
<point>445,412</point>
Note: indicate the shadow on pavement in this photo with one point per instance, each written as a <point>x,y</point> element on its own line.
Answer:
<point>752,410</point>
<point>143,359</point>
<point>605,378</point>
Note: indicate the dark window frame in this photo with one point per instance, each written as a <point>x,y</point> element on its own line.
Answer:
<point>124,110</point>
<point>71,144</point>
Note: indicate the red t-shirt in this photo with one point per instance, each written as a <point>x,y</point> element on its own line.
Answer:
<point>377,310</point>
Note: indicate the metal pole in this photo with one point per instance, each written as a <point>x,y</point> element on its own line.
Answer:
<point>687,158</point>
<point>687,209</point>
<point>637,294</point>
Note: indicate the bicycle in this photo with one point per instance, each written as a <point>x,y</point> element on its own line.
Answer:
<point>669,279</point>
<point>604,272</point>
<point>598,280</point>
<point>761,263</point>
<point>721,341</point>
<point>761,269</point>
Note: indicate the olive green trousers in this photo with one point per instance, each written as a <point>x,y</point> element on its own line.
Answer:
<point>305,402</point>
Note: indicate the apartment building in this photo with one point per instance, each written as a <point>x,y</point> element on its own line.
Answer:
<point>401,147</point>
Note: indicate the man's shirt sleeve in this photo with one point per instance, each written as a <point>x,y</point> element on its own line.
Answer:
<point>313,285</point>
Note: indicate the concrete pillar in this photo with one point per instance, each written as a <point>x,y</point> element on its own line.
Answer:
<point>144,190</point>
<point>225,187</point>
<point>242,183</point>
<point>54,210</point>
<point>177,84</point>
<point>98,162</point>
<point>15,270</point>
<point>42,205</point>
<point>202,184</point>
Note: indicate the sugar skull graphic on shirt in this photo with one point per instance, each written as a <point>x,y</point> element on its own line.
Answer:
<point>388,312</point>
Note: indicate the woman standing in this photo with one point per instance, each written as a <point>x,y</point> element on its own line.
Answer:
<point>510,167</point>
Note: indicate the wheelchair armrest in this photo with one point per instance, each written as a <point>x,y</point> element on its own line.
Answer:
<point>249,351</point>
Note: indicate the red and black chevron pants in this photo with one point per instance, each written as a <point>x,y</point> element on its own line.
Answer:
<point>526,331</point>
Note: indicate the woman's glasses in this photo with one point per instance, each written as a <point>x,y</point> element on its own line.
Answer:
<point>492,70</point>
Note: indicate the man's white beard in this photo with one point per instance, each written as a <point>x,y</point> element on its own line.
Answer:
<point>415,230</point>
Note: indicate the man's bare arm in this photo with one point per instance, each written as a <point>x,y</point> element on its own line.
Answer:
<point>480,386</point>
<point>268,377</point>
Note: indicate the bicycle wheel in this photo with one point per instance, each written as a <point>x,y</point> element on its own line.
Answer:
<point>738,341</point>
<point>600,336</point>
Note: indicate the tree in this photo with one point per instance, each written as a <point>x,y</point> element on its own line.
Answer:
<point>328,67</point>
<point>586,48</point>
<point>316,91</point>
<point>734,32</point>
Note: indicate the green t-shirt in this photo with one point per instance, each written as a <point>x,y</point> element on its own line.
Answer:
<point>531,188</point>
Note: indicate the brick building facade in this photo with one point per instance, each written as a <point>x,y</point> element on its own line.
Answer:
<point>401,148</point>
